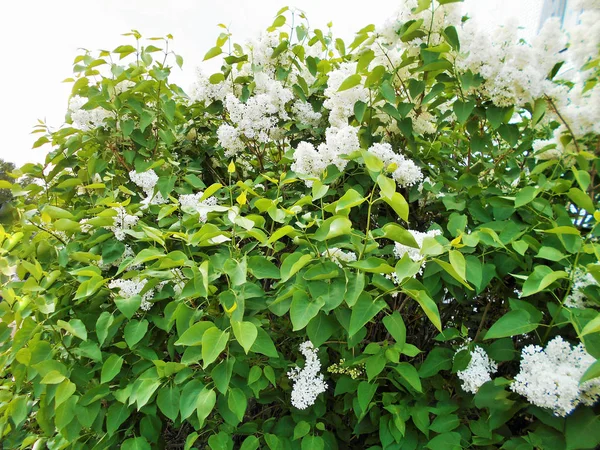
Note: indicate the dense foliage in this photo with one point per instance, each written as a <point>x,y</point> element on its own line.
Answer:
<point>389,244</point>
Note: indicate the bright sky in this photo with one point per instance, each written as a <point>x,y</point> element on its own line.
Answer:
<point>41,39</point>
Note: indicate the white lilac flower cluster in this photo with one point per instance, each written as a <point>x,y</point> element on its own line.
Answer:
<point>341,104</point>
<point>478,371</point>
<point>436,21</point>
<point>191,203</point>
<point>406,172</point>
<point>307,382</point>
<point>85,119</point>
<point>550,377</point>
<point>122,222</point>
<point>304,113</point>
<point>147,181</point>
<point>581,280</point>
<point>204,91</point>
<point>313,162</point>
<point>338,256</point>
<point>515,73</point>
<point>256,119</point>
<point>131,287</point>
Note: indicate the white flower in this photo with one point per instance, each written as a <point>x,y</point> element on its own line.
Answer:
<point>305,113</point>
<point>406,173</point>
<point>308,382</point>
<point>478,371</point>
<point>549,377</point>
<point>341,104</point>
<point>338,142</point>
<point>85,119</point>
<point>147,181</point>
<point>337,255</point>
<point>122,222</point>
<point>132,287</point>
<point>581,280</point>
<point>191,203</point>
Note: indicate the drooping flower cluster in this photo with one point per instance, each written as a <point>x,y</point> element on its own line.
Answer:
<point>147,181</point>
<point>581,280</point>
<point>341,104</point>
<point>307,382</point>
<point>86,119</point>
<point>515,73</point>
<point>256,119</point>
<point>338,256</point>
<point>192,203</point>
<point>550,377</point>
<point>122,222</point>
<point>131,287</point>
<point>313,162</point>
<point>478,371</point>
<point>406,172</point>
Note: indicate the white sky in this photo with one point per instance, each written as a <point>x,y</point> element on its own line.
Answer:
<point>41,39</point>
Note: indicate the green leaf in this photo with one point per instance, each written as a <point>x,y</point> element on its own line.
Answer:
<point>214,342</point>
<point>373,265</point>
<point>193,335</point>
<point>301,429</point>
<point>168,401</point>
<point>360,108</point>
<point>333,227</point>
<point>215,51</point>
<point>410,374</point>
<point>363,311</point>
<point>451,440</point>
<point>245,333</point>
<point>188,398</point>
<point>110,368</point>
<point>582,429</point>
<point>540,279</point>
<point>135,331</point>
<point>512,323</point>
<point>373,163</point>
<point>463,110</point>
<point>250,443</point>
<point>264,344</point>
<point>64,391</point>
<point>395,326</point>
<point>592,372</point>
<point>398,204</point>
<point>349,200</point>
<point>261,268</point>
<point>350,82</point>
<point>292,264</point>
<point>138,443</point>
<point>399,234</point>
<point>312,443</point>
<point>428,305</point>
<point>581,199</point>
<point>303,309</point>
<point>89,287</point>
<point>365,393</point>
<point>205,404</point>
<point>117,414</point>
<point>593,326</point>
<point>129,306</point>
<point>237,403</point>
<point>525,195</point>
<point>74,327</point>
